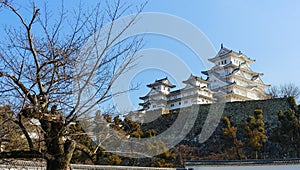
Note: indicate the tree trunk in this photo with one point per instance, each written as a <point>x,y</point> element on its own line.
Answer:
<point>58,164</point>
<point>60,148</point>
<point>62,161</point>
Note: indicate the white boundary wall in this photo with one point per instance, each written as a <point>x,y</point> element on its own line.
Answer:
<point>242,167</point>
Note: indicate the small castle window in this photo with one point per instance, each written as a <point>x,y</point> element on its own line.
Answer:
<point>179,103</point>
<point>172,105</point>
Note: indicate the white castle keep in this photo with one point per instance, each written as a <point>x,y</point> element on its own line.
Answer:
<point>230,79</point>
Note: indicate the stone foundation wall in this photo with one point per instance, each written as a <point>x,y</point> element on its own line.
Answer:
<point>238,112</point>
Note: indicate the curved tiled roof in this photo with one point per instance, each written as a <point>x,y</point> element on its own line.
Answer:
<point>224,51</point>
<point>165,81</point>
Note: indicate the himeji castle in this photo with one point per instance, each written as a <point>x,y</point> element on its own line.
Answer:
<point>196,91</point>
<point>230,79</point>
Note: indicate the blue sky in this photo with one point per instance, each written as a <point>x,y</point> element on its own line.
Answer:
<point>265,30</point>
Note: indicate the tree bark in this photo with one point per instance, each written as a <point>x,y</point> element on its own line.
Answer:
<point>60,147</point>
<point>62,161</point>
<point>58,164</point>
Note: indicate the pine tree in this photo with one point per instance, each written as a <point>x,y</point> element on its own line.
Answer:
<point>255,132</point>
<point>287,134</point>
<point>236,146</point>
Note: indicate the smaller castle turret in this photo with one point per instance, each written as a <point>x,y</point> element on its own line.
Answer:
<point>157,97</point>
<point>196,91</point>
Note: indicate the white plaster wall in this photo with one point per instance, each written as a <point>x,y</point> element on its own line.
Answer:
<point>256,167</point>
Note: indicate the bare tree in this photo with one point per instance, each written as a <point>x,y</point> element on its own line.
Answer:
<point>274,91</point>
<point>55,73</point>
<point>290,89</point>
<point>285,90</point>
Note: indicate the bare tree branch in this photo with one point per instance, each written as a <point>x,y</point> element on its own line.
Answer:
<point>24,130</point>
<point>285,90</point>
<point>40,61</point>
